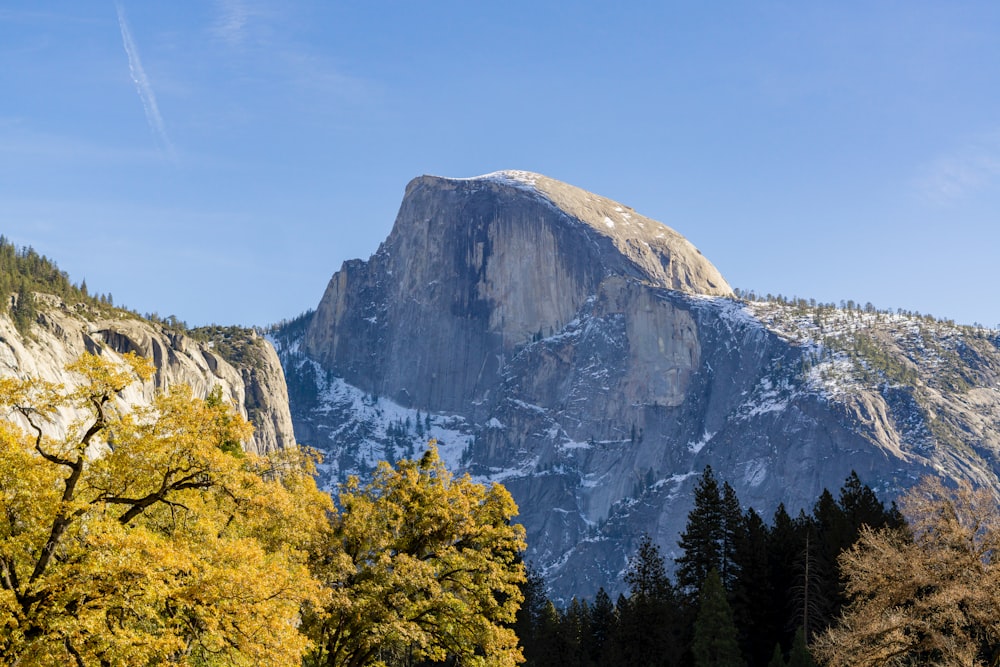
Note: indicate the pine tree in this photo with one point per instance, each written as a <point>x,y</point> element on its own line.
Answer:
<point>550,642</point>
<point>702,538</point>
<point>648,621</point>
<point>777,659</point>
<point>800,656</point>
<point>732,527</point>
<point>574,628</point>
<point>715,643</point>
<point>647,575</point>
<point>24,310</point>
<point>603,625</point>
<point>529,618</point>
<point>753,600</point>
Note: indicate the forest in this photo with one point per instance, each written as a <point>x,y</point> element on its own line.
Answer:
<point>851,583</point>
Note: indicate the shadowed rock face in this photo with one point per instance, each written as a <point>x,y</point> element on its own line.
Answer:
<point>591,360</point>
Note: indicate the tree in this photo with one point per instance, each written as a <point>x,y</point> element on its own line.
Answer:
<point>134,538</point>
<point>753,599</point>
<point>532,611</point>
<point>24,311</point>
<point>646,575</point>
<point>715,641</point>
<point>799,655</point>
<point>420,564</point>
<point>647,628</point>
<point>731,533</point>
<point>777,659</point>
<point>930,595</point>
<point>603,626</point>
<point>703,536</point>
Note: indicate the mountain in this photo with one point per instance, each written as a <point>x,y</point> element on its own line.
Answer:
<point>594,362</point>
<point>243,365</point>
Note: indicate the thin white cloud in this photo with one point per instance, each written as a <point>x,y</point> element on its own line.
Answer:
<point>243,22</point>
<point>232,22</point>
<point>972,169</point>
<point>143,87</point>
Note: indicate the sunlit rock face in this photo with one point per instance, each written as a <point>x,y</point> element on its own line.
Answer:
<point>61,334</point>
<point>594,362</point>
<point>475,269</point>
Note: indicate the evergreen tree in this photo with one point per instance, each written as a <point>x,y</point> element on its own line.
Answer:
<point>648,621</point>
<point>753,599</point>
<point>861,507</point>
<point>800,656</point>
<point>550,641</point>
<point>24,311</point>
<point>603,626</point>
<point>783,549</point>
<point>574,629</point>
<point>702,538</point>
<point>810,582</point>
<point>732,528</point>
<point>777,659</point>
<point>647,575</point>
<point>531,614</point>
<point>715,642</point>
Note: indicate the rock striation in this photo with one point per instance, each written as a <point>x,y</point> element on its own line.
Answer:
<point>593,361</point>
<point>62,333</point>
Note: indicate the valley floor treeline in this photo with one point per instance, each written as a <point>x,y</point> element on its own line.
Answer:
<point>745,592</point>
<point>850,584</point>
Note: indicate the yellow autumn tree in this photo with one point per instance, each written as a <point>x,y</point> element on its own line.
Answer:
<point>929,595</point>
<point>143,536</point>
<point>421,566</point>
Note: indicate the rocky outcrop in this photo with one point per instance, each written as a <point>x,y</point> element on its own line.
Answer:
<point>476,268</point>
<point>61,334</point>
<point>594,362</point>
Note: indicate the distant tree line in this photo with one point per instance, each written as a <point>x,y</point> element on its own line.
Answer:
<point>23,272</point>
<point>744,592</point>
<point>803,306</point>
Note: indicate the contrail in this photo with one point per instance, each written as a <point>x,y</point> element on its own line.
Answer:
<point>142,86</point>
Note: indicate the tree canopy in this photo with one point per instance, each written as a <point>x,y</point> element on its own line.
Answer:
<point>141,537</point>
<point>927,595</point>
<point>420,565</point>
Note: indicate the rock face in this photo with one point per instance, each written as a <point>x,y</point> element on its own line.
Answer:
<point>475,269</point>
<point>594,362</point>
<point>62,334</point>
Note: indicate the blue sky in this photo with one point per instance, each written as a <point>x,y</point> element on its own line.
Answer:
<point>219,160</point>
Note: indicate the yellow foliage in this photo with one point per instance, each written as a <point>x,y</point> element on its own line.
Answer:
<point>142,538</point>
<point>420,565</point>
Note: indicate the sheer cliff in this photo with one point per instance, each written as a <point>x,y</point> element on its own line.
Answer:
<point>248,373</point>
<point>594,361</point>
